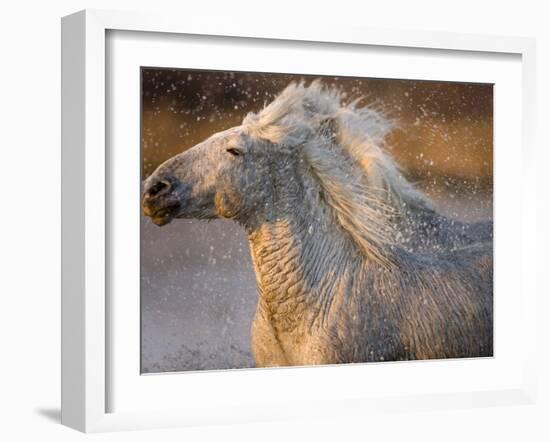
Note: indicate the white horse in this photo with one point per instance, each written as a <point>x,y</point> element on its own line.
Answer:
<point>353,263</point>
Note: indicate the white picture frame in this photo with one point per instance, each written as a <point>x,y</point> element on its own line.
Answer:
<point>86,316</point>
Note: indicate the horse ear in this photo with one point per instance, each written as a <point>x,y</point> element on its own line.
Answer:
<point>328,127</point>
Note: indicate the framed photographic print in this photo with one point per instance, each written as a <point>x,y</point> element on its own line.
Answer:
<point>328,218</point>
<point>331,256</point>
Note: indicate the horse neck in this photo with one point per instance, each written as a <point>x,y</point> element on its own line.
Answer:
<point>301,261</point>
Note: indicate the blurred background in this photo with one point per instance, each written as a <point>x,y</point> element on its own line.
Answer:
<point>198,292</point>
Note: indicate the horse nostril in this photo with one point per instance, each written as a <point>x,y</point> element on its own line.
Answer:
<point>159,187</point>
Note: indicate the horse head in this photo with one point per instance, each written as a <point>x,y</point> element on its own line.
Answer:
<point>232,174</point>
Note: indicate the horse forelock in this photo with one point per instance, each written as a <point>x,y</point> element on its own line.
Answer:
<point>294,115</point>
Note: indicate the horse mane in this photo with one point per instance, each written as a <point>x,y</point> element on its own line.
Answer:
<point>344,148</point>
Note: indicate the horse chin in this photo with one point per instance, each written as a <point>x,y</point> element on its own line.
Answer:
<point>161,221</point>
<point>164,216</point>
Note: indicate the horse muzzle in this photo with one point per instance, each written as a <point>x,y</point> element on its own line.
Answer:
<point>160,200</point>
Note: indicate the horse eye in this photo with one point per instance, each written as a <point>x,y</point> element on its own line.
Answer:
<point>234,151</point>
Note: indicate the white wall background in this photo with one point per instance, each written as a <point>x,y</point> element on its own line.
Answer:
<point>30,216</point>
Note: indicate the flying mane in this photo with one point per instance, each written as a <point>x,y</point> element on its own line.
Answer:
<point>343,146</point>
